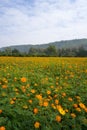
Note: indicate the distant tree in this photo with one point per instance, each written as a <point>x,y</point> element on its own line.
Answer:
<point>16,52</point>
<point>82,52</point>
<point>62,52</point>
<point>51,51</point>
<point>69,52</point>
<point>32,52</point>
<point>8,51</point>
<point>0,53</point>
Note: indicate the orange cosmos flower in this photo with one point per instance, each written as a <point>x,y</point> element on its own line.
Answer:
<point>2,128</point>
<point>30,101</point>
<point>36,124</point>
<point>23,89</point>
<point>73,115</point>
<point>53,106</point>
<point>56,83</point>
<point>50,98</point>
<point>35,110</point>
<point>39,97</point>
<point>4,86</point>
<point>78,109</point>
<point>32,91</point>
<point>58,118</point>
<point>63,94</point>
<point>85,109</point>
<point>45,103</point>
<point>66,110</point>
<point>75,105</point>
<point>28,94</point>
<point>86,71</point>
<point>12,102</point>
<point>77,97</point>
<point>82,105</point>
<point>48,92</point>
<point>70,99</point>
<point>55,96</point>
<point>56,101</point>
<point>51,86</point>
<point>0,111</point>
<point>14,98</point>
<point>23,79</point>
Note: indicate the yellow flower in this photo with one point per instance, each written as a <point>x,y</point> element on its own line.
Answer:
<point>61,111</point>
<point>16,90</point>
<point>35,84</point>
<point>58,118</point>
<point>25,107</point>
<point>36,124</point>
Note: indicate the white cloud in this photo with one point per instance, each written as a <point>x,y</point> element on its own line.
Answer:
<point>41,21</point>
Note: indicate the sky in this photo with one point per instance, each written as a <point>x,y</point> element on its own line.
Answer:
<point>41,21</point>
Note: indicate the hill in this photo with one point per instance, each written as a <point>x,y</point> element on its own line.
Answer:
<point>76,43</point>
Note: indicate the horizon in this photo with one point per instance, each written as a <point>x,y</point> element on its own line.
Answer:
<point>40,44</point>
<point>35,22</point>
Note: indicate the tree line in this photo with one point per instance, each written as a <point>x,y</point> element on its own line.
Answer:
<point>49,51</point>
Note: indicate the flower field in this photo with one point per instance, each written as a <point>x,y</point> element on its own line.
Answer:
<point>43,93</point>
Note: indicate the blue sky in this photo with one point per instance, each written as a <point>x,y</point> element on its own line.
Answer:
<point>41,21</point>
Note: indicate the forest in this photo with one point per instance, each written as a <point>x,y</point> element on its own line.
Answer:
<point>50,51</point>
